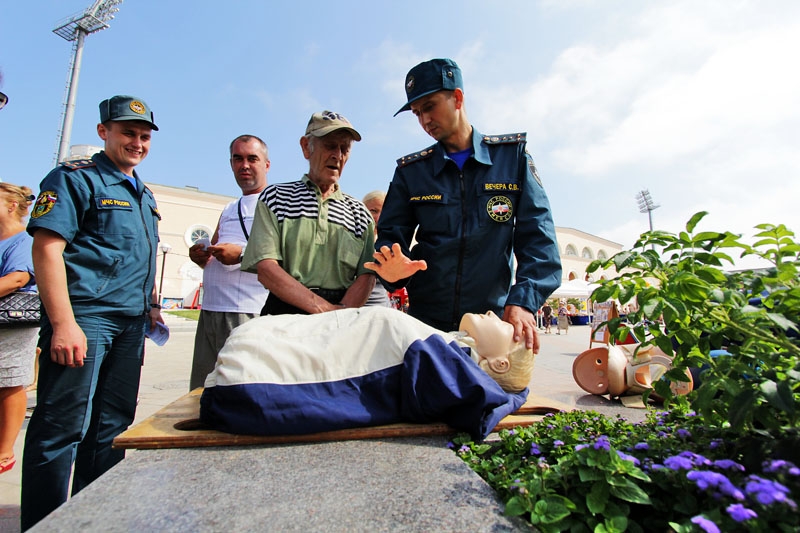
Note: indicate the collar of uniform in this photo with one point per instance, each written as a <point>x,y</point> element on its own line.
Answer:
<point>110,173</point>
<point>336,194</point>
<point>479,149</point>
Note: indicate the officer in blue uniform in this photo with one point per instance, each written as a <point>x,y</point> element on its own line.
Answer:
<point>95,235</point>
<point>473,203</point>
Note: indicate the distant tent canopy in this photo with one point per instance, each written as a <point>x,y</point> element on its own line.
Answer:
<point>575,288</point>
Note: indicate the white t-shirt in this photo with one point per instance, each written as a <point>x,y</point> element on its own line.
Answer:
<point>225,287</point>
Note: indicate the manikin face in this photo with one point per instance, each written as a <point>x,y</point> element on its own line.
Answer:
<point>494,339</point>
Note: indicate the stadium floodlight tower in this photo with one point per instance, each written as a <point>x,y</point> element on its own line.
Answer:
<point>75,29</point>
<point>646,204</point>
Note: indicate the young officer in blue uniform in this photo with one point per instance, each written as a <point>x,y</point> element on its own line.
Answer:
<point>95,235</point>
<point>475,203</point>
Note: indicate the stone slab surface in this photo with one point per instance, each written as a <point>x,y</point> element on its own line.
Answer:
<point>372,485</point>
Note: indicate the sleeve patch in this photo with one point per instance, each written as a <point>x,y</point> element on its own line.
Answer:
<point>532,169</point>
<point>44,203</point>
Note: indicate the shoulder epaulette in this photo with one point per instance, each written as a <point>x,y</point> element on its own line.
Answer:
<point>80,163</point>
<point>416,156</point>
<point>505,139</point>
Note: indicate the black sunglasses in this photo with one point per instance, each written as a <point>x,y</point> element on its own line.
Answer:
<point>3,100</point>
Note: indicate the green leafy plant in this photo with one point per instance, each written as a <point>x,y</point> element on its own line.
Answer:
<point>688,306</point>
<point>719,459</point>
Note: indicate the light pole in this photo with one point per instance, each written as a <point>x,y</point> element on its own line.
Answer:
<point>646,205</point>
<point>165,249</point>
<point>76,28</point>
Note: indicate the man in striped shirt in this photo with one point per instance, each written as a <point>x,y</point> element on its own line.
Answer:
<point>310,240</point>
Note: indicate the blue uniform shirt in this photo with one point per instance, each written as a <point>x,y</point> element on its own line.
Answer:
<point>470,224</point>
<point>111,229</point>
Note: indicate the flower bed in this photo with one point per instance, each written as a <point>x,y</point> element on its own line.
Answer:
<point>582,471</point>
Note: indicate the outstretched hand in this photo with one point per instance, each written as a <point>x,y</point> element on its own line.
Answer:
<point>391,265</point>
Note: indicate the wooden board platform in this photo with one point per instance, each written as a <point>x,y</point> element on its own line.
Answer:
<point>159,430</point>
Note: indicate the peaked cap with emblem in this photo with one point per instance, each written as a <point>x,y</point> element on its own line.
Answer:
<point>429,77</point>
<point>123,107</point>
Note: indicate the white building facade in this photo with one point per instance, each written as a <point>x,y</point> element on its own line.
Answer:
<point>188,214</point>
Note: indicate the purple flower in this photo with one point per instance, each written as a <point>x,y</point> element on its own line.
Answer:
<point>705,524</point>
<point>779,465</point>
<point>579,447</point>
<point>714,444</point>
<point>696,458</point>
<point>464,448</point>
<point>740,513</point>
<point>683,434</point>
<point>451,445</point>
<point>676,462</point>
<point>512,432</point>
<point>602,443</point>
<point>641,446</point>
<point>535,449</point>
<point>727,464</point>
<point>714,482</point>
<point>558,443</point>
<point>567,428</point>
<point>767,492</point>
<point>624,456</point>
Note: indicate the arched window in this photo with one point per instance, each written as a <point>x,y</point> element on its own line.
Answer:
<point>571,250</point>
<point>196,232</point>
<point>587,253</point>
<point>601,255</point>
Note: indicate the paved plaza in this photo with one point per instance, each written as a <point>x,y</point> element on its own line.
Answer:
<point>165,378</point>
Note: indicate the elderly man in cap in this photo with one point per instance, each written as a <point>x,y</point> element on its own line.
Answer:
<point>474,202</point>
<point>95,235</point>
<point>310,240</point>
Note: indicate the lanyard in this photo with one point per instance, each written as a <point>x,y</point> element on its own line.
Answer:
<point>241,221</point>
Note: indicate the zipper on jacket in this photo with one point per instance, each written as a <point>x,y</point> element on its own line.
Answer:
<point>147,297</point>
<point>461,250</point>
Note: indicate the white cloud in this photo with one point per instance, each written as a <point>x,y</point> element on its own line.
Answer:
<point>697,102</point>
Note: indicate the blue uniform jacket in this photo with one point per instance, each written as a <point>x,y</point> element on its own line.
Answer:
<point>470,224</point>
<point>111,229</point>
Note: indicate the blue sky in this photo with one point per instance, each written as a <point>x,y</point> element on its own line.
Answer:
<point>695,101</point>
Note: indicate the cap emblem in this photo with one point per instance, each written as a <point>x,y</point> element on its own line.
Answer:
<point>410,84</point>
<point>137,107</point>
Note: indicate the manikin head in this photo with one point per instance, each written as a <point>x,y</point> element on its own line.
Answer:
<point>507,362</point>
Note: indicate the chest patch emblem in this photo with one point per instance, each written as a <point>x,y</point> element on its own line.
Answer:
<point>44,203</point>
<point>499,208</point>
